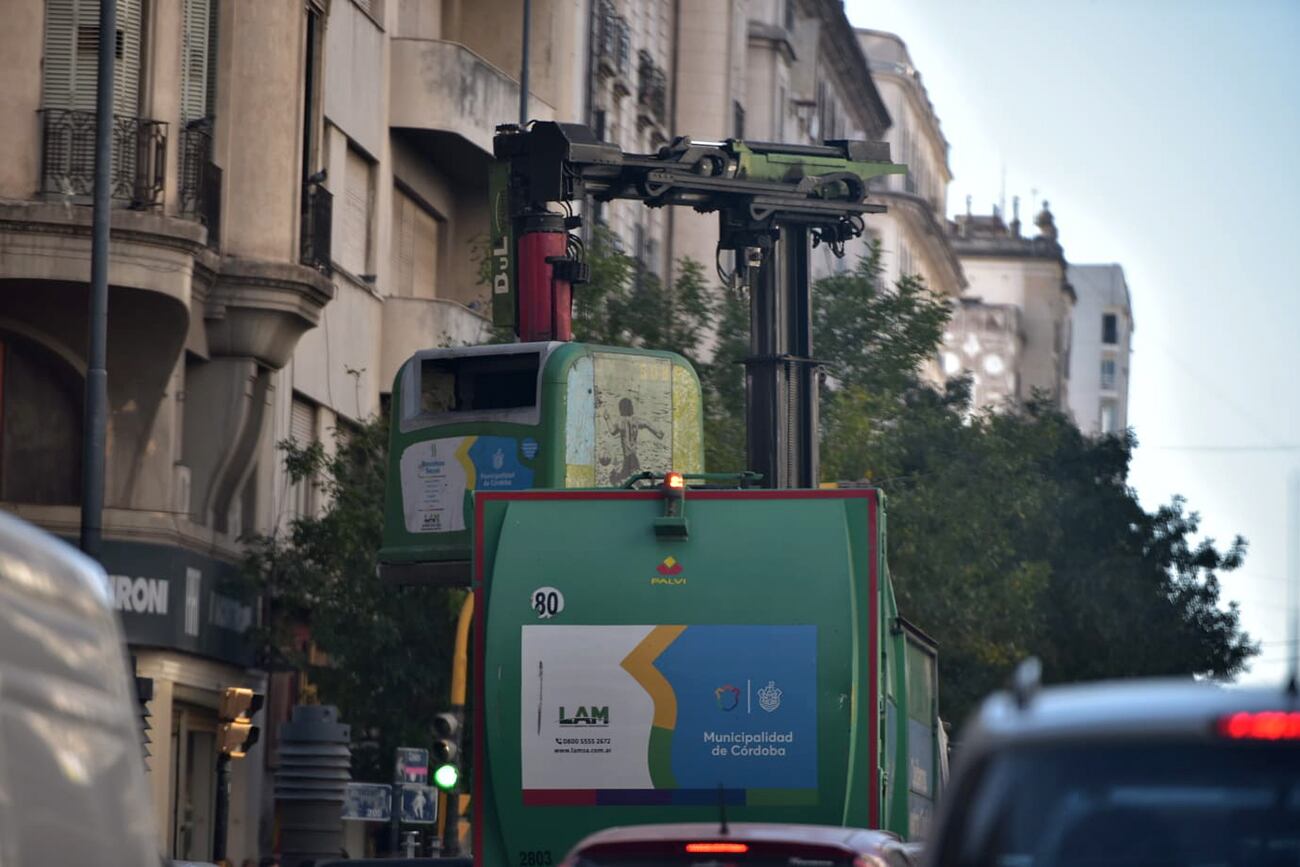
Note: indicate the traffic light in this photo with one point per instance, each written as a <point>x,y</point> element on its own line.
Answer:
<point>237,733</point>
<point>446,749</point>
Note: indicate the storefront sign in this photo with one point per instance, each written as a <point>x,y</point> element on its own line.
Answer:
<point>174,598</point>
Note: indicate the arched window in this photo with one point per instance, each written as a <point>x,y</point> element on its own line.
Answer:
<point>40,424</point>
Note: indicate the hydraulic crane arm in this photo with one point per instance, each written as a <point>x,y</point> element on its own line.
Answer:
<point>755,186</point>
<point>773,198</point>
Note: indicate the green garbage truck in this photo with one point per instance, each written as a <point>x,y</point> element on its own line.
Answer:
<point>653,643</point>
<point>752,662</point>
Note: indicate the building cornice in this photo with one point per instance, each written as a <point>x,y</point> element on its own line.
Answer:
<point>921,216</point>
<point>259,309</point>
<point>1008,248</point>
<point>839,43</point>
<point>908,78</point>
<point>772,36</point>
<point>74,221</point>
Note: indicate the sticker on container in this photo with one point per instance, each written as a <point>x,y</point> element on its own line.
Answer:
<point>547,602</point>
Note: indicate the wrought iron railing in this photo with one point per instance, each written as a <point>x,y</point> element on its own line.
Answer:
<point>196,150</point>
<point>652,86</point>
<point>613,39</point>
<point>209,204</point>
<point>68,157</point>
<point>317,222</point>
<point>200,188</point>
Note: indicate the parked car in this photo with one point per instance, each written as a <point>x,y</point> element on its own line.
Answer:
<point>1125,773</point>
<point>72,787</point>
<point>744,844</point>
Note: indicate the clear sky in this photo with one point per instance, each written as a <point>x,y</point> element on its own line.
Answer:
<point>1166,135</point>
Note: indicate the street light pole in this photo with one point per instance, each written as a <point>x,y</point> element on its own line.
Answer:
<point>96,407</point>
<point>523,70</point>
<point>221,813</point>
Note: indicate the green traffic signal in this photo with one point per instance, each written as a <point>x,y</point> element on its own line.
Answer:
<point>446,777</point>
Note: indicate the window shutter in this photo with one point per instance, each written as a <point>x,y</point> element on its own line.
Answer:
<point>210,97</point>
<point>355,249</point>
<point>302,429</point>
<point>71,55</point>
<point>126,73</point>
<point>415,248</point>
<point>194,60</point>
<point>302,422</point>
<point>60,62</point>
<point>403,245</point>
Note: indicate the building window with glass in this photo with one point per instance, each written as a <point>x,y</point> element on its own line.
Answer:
<point>1108,374</point>
<point>1109,329</point>
<point>1108,416</point>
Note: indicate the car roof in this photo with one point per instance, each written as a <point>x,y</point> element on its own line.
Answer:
<point>855,839</point>
<point>1135,708</point>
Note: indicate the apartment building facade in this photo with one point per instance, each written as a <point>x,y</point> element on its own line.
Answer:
<point>1012,331</point>
<point>767,70</point>
<point>299,191</point>
<point>1101,348</point>
<point>913,232</point>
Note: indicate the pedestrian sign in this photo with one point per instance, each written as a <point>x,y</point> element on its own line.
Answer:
<point>419,804</point>
<point>368,802</point>
<point>412,765</point>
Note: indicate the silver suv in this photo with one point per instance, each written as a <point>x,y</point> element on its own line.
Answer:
<point>1126,773</point>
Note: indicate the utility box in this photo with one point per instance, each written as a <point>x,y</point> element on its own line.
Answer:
<point>523,416</point>
<point>638,677</point>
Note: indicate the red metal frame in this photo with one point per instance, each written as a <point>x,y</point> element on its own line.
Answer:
<point>545,300</point>
<point>480,645</point>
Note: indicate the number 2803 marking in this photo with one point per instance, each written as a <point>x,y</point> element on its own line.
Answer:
<point>535,858</point>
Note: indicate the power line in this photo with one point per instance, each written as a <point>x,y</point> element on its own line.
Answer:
<point>1208,383</point>
<point>1276,448</point>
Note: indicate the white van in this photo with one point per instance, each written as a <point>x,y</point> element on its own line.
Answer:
<point>72,786</point>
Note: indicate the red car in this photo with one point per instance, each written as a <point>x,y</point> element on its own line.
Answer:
<point>742,845</point>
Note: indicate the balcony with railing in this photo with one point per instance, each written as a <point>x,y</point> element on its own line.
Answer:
<point>317,227</point>
<point>651,89</point>
<point>68,157</point>
<point>613,41</point>
<point>443,86</point>
<point>200,190</point>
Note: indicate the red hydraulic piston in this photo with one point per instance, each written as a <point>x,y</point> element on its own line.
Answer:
<point>545,311</point>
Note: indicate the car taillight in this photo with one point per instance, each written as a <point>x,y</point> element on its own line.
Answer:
<point>868,861</point>
<point>717,847</point>
<point>1269,725</point>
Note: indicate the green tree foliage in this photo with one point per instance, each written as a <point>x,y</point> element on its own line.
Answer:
<point>874,336</point>
<point>388,649</point>
<point>723,382</point>
<point>626,304</point>
<point>1011,534</point>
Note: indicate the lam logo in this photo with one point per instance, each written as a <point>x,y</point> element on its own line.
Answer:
<point>586,716</point>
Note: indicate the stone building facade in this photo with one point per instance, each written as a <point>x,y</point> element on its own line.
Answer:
<point>1101,350</point>
<point>1005,270</point>
<point>299,189</point>
<point>767,70</point>
<point>913,233</point>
